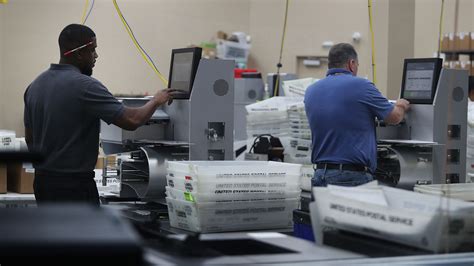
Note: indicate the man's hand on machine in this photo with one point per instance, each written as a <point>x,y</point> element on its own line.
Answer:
<point>402,103</point>
<point>165,95</point>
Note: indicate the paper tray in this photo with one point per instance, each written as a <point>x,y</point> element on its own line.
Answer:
<point>462,191</point>
<point>429,222</point>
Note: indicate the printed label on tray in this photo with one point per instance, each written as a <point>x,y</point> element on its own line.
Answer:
<point>188,196</point>
<point>252,174</point>
<point>181,214</point>
<point>188,210</point>
<point>250,210</point>
<point>188,187</point>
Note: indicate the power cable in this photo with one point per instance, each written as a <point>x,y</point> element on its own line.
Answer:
<point>276,87</point>
<point>440,38</point>
<point>372,42</point>
<point>140,49</point>
<point>84,12</point>
<point>88,13</point>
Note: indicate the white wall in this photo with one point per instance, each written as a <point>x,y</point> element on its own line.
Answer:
<point>427,23</point>
<point>401,19</point>
<point>2,37</point>
<point>29,30</point>
<point>32,27</point>
<point>310,23</point>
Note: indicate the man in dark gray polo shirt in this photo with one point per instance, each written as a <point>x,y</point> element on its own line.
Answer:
<point>63,109</point>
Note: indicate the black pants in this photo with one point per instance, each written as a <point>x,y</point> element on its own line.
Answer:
<point>52,188</point>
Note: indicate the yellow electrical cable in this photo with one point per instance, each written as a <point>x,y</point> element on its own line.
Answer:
<point>440,27</point>
<point>374,68</point>
<point>284,30</point>
<point>84,12</point>
<point>277,82</point>
<point>163,79</point>
<point>137,45</point>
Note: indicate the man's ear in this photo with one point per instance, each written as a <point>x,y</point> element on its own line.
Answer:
<point>351,65</point>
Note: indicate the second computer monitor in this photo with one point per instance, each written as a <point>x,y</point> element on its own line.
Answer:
<point>420,79</point>
<point>183,68</point>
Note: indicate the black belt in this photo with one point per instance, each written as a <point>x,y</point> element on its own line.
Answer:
<point>347,167</point>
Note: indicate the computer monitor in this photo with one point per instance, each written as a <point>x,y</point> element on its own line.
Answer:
<point>420,78</point>
<point>184,64</point>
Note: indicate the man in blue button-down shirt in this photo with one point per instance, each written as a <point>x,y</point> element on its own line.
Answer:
<point>341,110</point>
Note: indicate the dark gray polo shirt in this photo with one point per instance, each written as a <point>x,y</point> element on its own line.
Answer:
<point>63,108</point>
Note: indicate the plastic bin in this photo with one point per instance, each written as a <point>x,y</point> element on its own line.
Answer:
<point>267,117</point>
<point>297,87</point>
<point>292,121</point>
<point>294,116</point>
<point>284,127</point>
<point>210,217</point>
<point>234,186</point>
<point>301,134</point>
<point>300,159</point>
<point>297,107</point>
<point>296,142</point>
<point>8,141</point>
<point>424,221</point>
<point>201,170</point>
<point>307,173</point>
<point>243,195</point>
<point>462,191</point>
<point>225,177</point>
<point>299,126</point>
<point>273,104</point>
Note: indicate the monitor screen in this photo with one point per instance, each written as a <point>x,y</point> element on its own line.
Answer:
<point>420,78</point>
<point>184,63</point>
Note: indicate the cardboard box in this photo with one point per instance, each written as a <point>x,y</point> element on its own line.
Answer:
<point>462,41</point>
<point>472,41</point>
<point>447,43</point>
<point>3,178</point>
<point>444,43</point>
<point>221,35</point>
<point>8,141</point>
<point>456,65</point>
<point>446,64</point>
<point>100,161</point>
<point>20,178</point>
<point>209,50</point>
<point>472,68</point>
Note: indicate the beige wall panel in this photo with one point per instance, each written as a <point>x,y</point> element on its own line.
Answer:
<point>32,28</point>
<point>310,23</point>
<point>427,13</point>
<point>466,15</point>
<point>29,30</point>
<point>380,20</point>
<point>2,92</point>
<point>427,23</point>
<point>400,42</point>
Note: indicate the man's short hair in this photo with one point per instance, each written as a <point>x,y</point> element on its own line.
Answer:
<point>340,54</point>
<point>73,36</point>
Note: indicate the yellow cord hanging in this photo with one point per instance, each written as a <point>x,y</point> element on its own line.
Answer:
<point>374,69</point>
<point>277,81</point>
<point>440,27</point>
<point>129,31</point>
<point>84,12</point>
